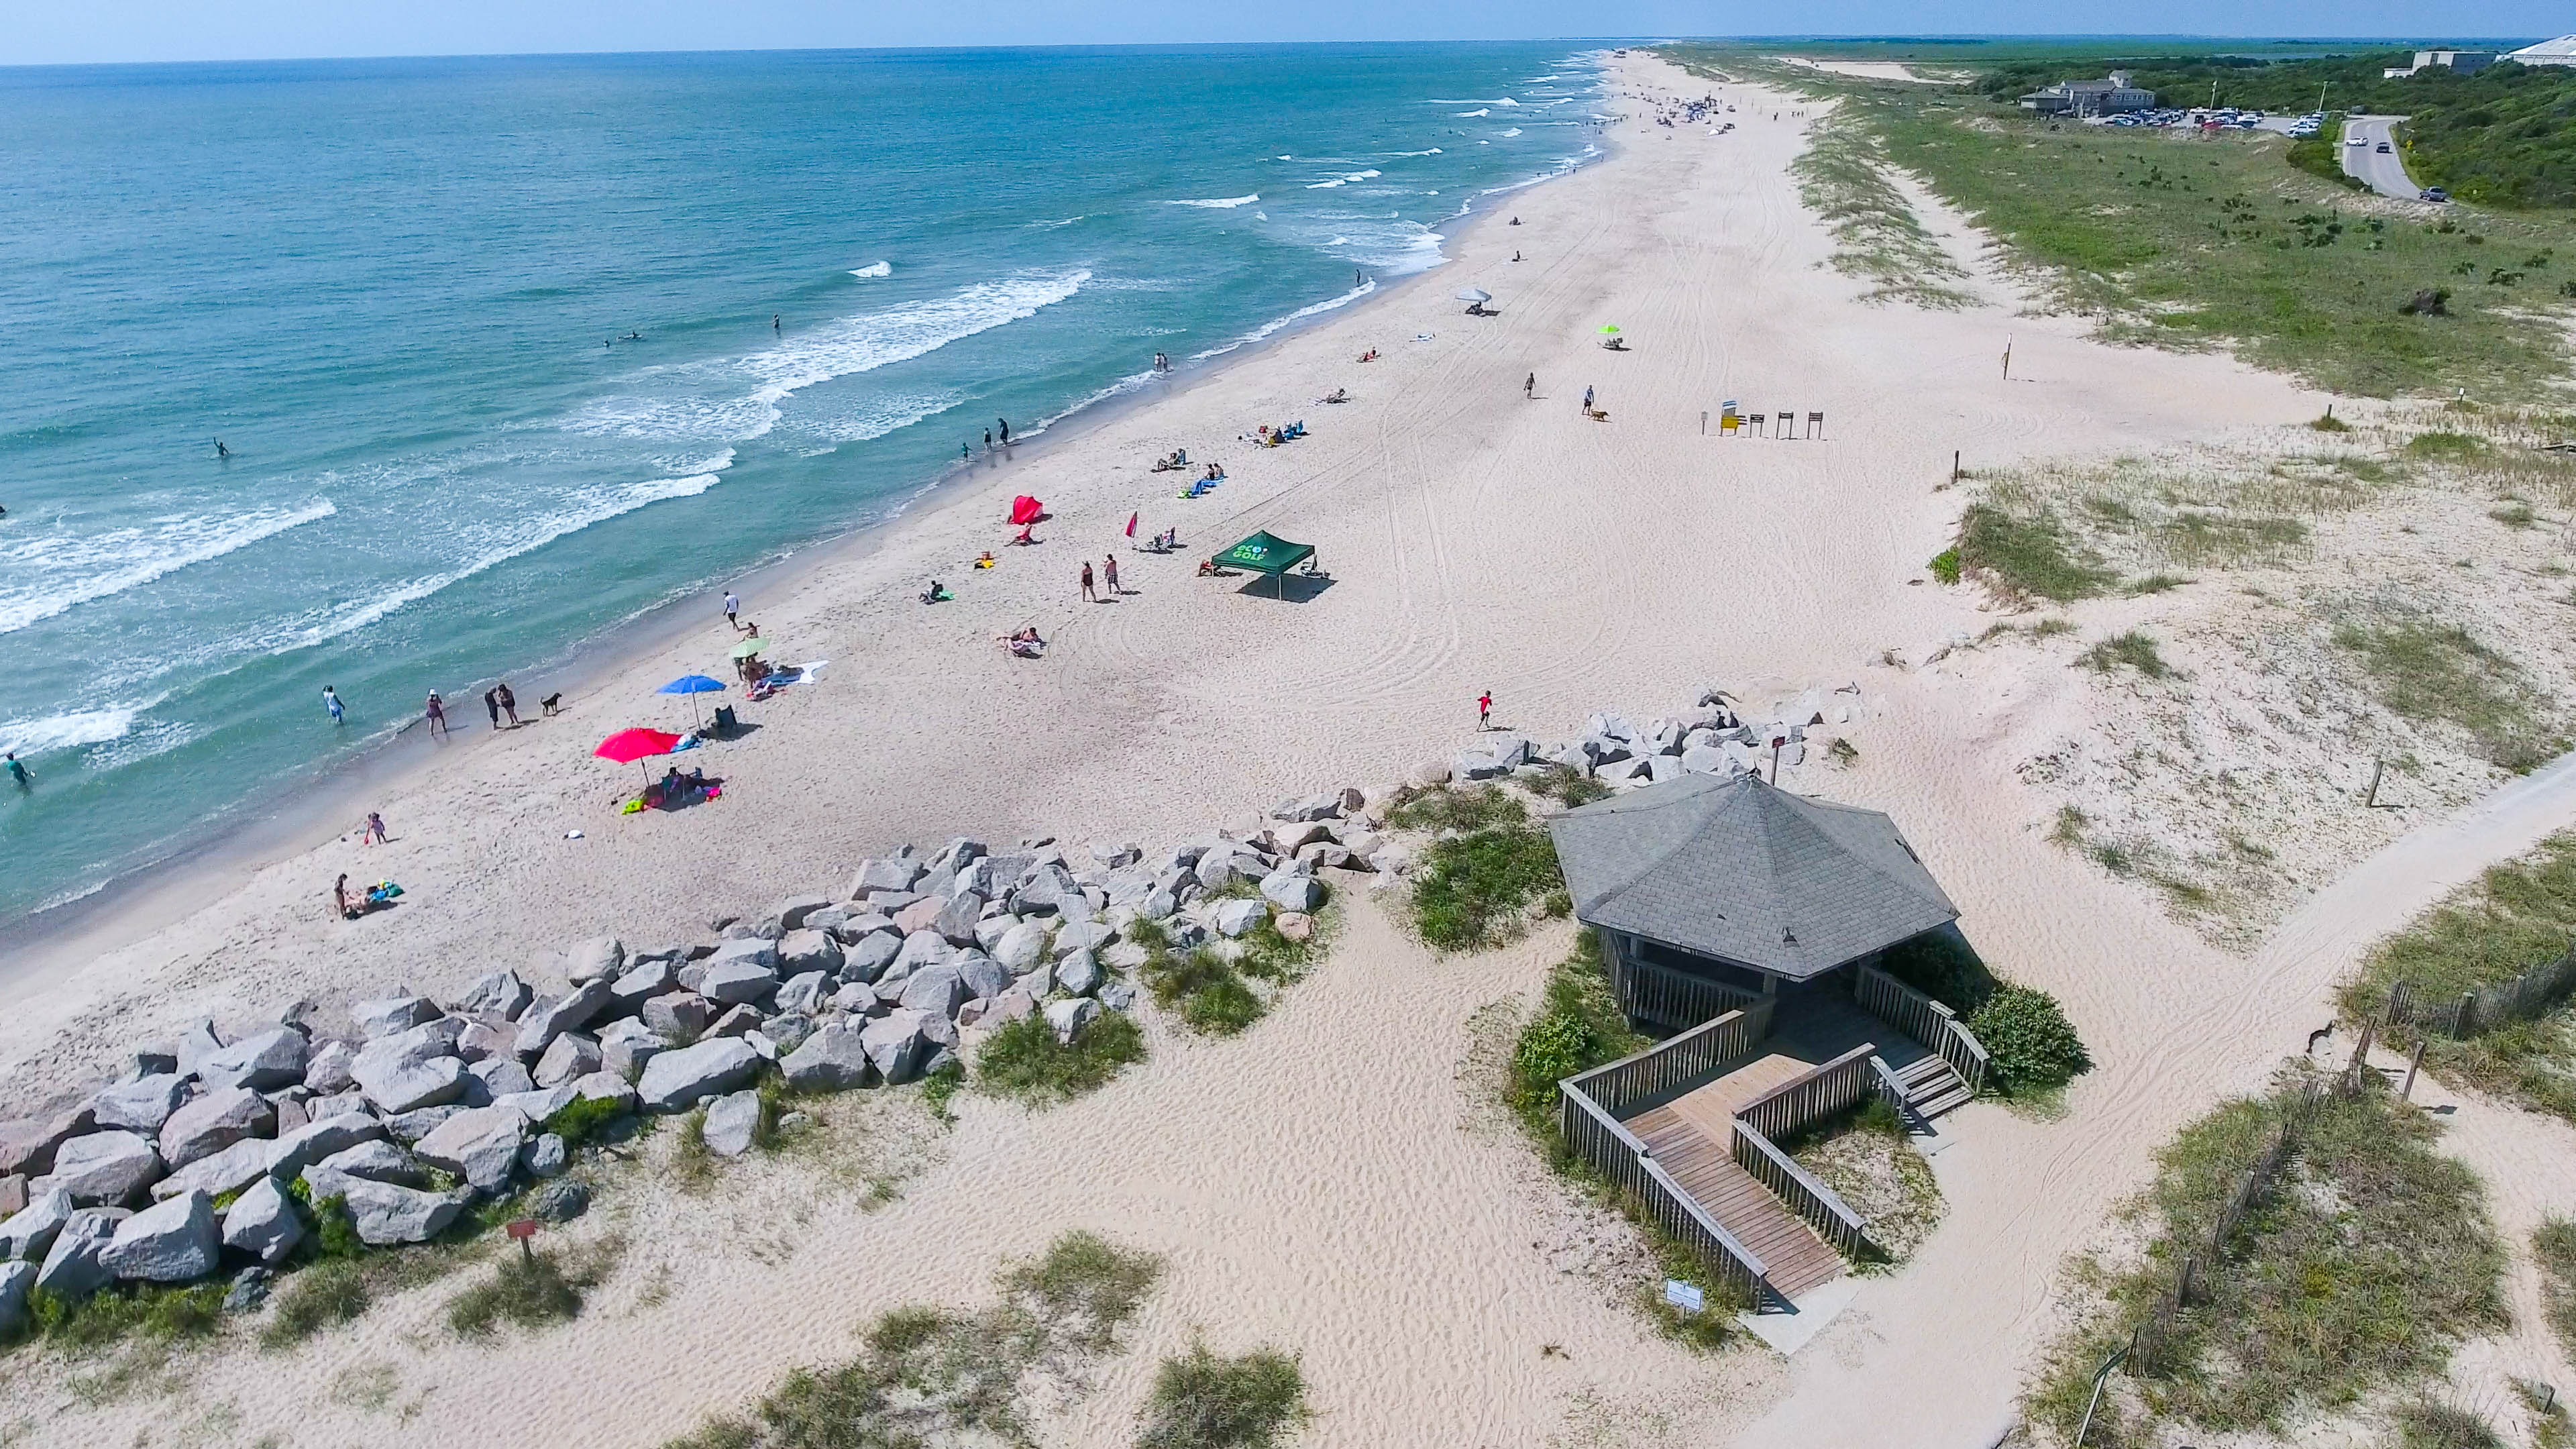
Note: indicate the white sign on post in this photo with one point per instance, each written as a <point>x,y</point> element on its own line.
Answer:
<point>1685,1296</point>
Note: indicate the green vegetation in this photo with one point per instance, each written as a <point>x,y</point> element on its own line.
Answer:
<point>2553,1247</point>
<point>1578,1027</point>
<point>1863,1154</point>
<point>2512,515</point>
<point>1842,176</point>
<point>2427,671</point>
<point>1945,565</point>
<point>1203,1400</point>
<point>1478,889</point>
<point>2514,917</point>
<point>2443,445</point>
<point>2425,1424</point>
<point>1453,807</point>
<point>1208,985</point>
<point>2367,1260</point>
<point>2133,648</point>
<point>122,1311</point>
<point>2030,1044</point>
<point>1024,1061</point>
<point>1570,787</point>
<point>2027,556</point>
<point>933,1375</point>
<point>587,1119</point>
<point>940,1088</point>
<point>534,1288</point>
<point>2157,584</point>
<point>693,1163</point>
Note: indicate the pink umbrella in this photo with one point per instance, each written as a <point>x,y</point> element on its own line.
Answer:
<point>627,746</point>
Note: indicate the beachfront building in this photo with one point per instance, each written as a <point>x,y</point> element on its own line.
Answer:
<point>2561,51</point>
<point>2463,61</point>
<point>1747,925</point>
<point>2107,97</point>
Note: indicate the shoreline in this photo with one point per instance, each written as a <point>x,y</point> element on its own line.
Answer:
<point>224,852</point>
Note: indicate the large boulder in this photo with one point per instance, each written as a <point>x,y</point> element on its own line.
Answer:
<point>733,1121</point>
<point>1235,917</point>
<point>498,1077</point>
<point>263,1223</point>
<point>570,1055</point>
<point>599,958</point>
<point>544,1021</point>
<point>1070,1016</point>
<point>383,1213</point>
<point>72,1270</point>
<point>376,1162</point>
<point>984,977</point>
<point>230,1170</point>
<point>172,1242</point>
<point>885,875</point>
<point>1078,973</point>
<point>141,1105</point>
<point>737,981</point>
<point>327,1070</point>
<point>956,921</point>
<point>270,1060</point>
<point>682,1015</point>
<point>207,1125</point>
<point>808,950</point>
<point>792,911</point>
<point>627,1045</point>
<point>935,990</point>
<point>605,1087</point>
<point>409,1127</point>
<point>752,950</point>
<point>737,1021</point>
<point>1292,891</point>
<point>642,982</point>
<point>393,1015</point>
<point>676,1079</point>
<point>803,992</point>
<point>869,956</point>
<point>27,1145</point>
<point>895,1045</point>
<point>103,1168</point>
<point>499,994</point>
<point>545,1155</point>
<point>831,1060</point>
<point>30,1230</point>
<point>921,948</point>
<point>480,1144</point>
<point>559,1202</point>
<point>15,1280</point>
<point>1021,947</point>
<point>485,1041</point>
<point>290,1154</point>
<point>1089,936</point>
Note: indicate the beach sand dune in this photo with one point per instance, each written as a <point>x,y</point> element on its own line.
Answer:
<point>1326,1183</point>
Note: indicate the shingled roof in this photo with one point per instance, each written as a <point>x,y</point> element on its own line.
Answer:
<point>1748,873</point>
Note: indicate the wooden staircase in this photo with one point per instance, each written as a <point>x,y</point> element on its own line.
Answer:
<point>1796,1258</point>
<point>1932,1086</point>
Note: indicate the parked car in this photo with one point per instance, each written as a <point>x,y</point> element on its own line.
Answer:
<point>2432,193</point>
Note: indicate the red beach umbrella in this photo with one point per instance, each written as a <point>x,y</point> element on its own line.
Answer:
<point>627,746</point>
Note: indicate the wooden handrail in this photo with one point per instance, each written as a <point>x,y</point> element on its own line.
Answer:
<point>1820,1205</point>
<point>1814,1094</point>
<point>1674,1060</point>
<point>1924,1019</point>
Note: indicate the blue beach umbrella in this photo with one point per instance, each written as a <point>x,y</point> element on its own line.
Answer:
<point>692,685</point>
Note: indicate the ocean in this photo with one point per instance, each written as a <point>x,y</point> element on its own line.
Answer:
<point>504,352</point>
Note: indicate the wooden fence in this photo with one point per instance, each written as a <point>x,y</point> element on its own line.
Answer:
<point>2530,994</point>
<point>1661,996</point>
<point>2155,1333</point>
<point>1812,1095</point>
<point>1676,1059</point>
<point>1925,1020</point>
<point>1833,1220</point>
<point>1600,1139</point>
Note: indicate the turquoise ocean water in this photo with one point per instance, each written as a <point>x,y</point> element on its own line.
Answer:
<point>400,293</point>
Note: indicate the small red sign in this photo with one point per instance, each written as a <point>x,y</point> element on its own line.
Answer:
<point>524,1228</point>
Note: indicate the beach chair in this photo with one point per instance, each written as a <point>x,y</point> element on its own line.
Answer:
<point>1755,421</point>
<point>1815,425</point>
<point>1788,421</point>
<point>1727,425</point>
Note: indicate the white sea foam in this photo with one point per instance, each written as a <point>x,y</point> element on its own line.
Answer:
<point>1479,111</point>
<point>1300,315</point>
<point>33,737</point>
<point>1514,131</point>
<point>491,545</point>
<point>874,269</point>
<point>1052,225</point>
<point>46,574</point>
<point>1221,202</point>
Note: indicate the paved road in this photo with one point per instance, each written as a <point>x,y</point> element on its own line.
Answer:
<point>2385,174</point>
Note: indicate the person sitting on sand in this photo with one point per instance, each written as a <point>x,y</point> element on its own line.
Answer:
<point>985,559</point>
<point>1338,395</point>
<point>1369,356</point>
<point>1028,534</point>
<point>1025,643</point>
<point>937,593</point>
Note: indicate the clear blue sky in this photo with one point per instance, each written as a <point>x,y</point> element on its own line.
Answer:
<point>42,32</point>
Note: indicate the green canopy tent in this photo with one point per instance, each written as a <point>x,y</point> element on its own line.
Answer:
<point>1267,553</point>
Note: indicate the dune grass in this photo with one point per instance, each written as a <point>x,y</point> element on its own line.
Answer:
<point>1843,178</point>
<point>2429,671</point>
<point>2355,1276</point>
<point>2027,555</point>
<point>1479,890</point>
<point>2132,649</point>
<point>933,1375</point>
<point>534,1288</point>
<point>1205,1400</point>
<point>1023,1060</point>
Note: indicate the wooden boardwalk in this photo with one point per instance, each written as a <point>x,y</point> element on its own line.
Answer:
<point>1705,1167</point>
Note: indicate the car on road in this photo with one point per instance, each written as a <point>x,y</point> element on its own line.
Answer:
<point>2357,141</point>
<point>2383,148</point>
<point>2432,193</point>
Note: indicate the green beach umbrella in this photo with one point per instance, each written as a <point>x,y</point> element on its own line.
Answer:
<point>1611,328</point>
<point>749,647</point>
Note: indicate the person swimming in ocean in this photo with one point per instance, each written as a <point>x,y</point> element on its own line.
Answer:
<point>632,337</point>
<point>220,450</point>
<point>773,322</point>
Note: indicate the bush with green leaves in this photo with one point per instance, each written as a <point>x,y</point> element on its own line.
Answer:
<point>1024,1060</point>
<point>2031,1045</point>
<point>1478,890</point>
<point>1578,1026</point>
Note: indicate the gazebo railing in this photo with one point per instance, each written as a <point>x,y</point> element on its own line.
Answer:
<point>1620,1156</point>
<point>1925,1020</point>
<point>1661,996</point>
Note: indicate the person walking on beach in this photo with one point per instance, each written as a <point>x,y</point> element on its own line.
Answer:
<point>1089,595</point>
<point>18,772</point>
<point>988,440</point>
<point>436,713</point>
<point>340,897</point>
<point>492,706</point>
<point>1109,573</point>
<point>509,702</point>
<point>1529,386</point>
<point>374,834</point>
<point>733,611</point>
<point>1485,710</point>
<point>1006,430</point>
<point>331,702</point>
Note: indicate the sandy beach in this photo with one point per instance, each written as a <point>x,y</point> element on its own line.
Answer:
<point>1332,1182</point>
